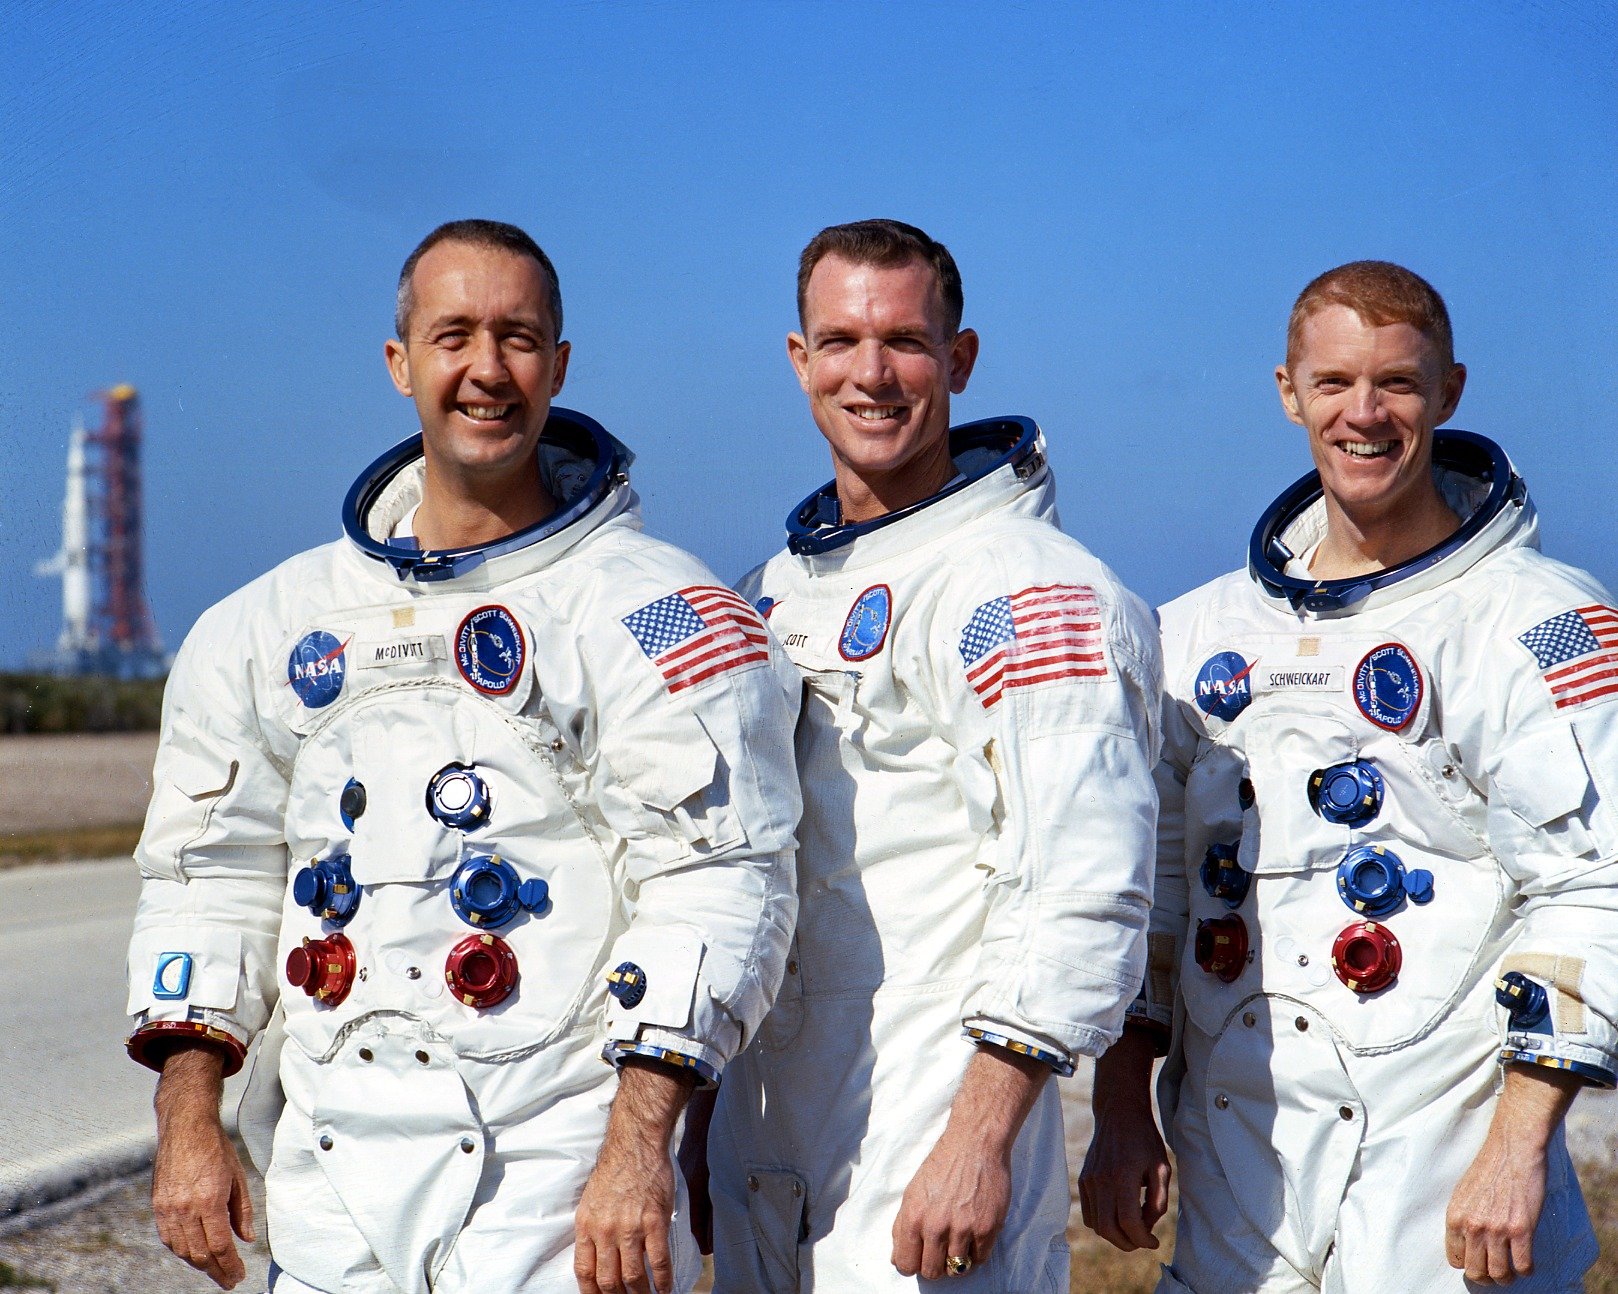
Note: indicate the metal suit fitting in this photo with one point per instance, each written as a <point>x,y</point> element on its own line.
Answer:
<point>1373,881</point>
<point>627,983</point>
<point>323,968</point>
<point>458,797</point>
<point>351,803</point>
<point>481,970</point>
<point>1223,877</point>
<point>1528,1002</point>
<point>1349,795</point>
<point>1221,946</point>
<point>327,888</point>
<point>1366,957</point>
<point>487,892</point>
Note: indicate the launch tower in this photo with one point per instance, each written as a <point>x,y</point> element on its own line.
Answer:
<point>107,626</point>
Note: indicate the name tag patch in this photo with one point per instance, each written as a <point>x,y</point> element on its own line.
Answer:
<point>380,653</point>
<point>1292,677</point>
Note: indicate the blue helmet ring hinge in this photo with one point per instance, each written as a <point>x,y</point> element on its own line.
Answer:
<point>565,427</point>
<point>1461,451</point>
<point>815,525</point>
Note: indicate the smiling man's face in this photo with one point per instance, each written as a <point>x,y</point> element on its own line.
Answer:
<point>879,361</point>
<point>1370,396</point>
<point>481,359</point>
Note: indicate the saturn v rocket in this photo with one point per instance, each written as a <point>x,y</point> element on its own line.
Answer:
<point>72,560</point>
<point>107,626</point>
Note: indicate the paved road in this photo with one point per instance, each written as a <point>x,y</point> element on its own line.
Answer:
<point>72,1104</point>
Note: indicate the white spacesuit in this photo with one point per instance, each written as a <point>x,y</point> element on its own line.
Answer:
<point>979,728</point>
<point>469,816</point>
<point>1387,802</point>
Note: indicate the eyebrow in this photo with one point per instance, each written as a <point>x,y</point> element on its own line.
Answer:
<point>465,320</point>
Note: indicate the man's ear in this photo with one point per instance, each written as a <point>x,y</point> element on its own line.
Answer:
<point>798,353</point>
<point>393,350</point>
<point>1288,393</point>
<point>963,354</point>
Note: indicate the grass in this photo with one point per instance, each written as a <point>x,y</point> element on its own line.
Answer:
<point>58,845</point>
<point>12,1279</point>
<point>1600,1182</point>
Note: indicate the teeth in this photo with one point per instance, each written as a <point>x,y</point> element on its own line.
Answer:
<point>1372,450</point>
<point>486,412</point>
<point>876,412</point>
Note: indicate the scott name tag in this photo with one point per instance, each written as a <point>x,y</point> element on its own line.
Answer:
<point>1296,678</point>
<point>380,653</point>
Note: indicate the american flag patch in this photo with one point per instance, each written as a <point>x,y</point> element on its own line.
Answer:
<point>1577,653</point>
<point>697,633</point>
<point>1044,633</point>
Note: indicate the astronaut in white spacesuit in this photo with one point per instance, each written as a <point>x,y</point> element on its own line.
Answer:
<point>1385,931</point>
<point>979,729</point>
<point>492,790</point>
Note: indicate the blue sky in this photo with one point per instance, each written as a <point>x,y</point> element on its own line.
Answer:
<point>211,202</point>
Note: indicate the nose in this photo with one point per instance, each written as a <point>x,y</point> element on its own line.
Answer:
<point>871,367</point>
<point>1365,404</point>
<point>486,364</point>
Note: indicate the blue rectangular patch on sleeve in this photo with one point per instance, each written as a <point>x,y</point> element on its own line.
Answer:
<point>172,981</point>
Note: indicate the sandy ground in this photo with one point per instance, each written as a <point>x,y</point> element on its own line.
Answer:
<point>74,781</point>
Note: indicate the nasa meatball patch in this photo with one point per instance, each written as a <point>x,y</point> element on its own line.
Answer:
<point>866,628</point>
<point>489,650</point>
<point>1224,686</point>
<point>316,668</point>
<point>1388,686</point>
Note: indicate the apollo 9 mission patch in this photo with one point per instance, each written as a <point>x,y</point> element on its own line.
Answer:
<point>1388,686</point>
<point>866,628</point>
<point>490,650</point>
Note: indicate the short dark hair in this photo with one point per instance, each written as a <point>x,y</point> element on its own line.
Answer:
<point>1380,293</point>
<point>475,233</point>
<point>885,243</point>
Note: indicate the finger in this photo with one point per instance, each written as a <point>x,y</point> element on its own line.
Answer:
<point>659,1260</point>
<point>1477,1260</point>
<point>1522,1253</point>
<point>907,1244</point>
<point>1157,1193</point>
<point>225,1264</point>
<point>584,1262</point>
<point>194,1249</point>
<point>933,1253</point>
<point>632,1266</point>
<point>241,1208</point>
<point>1106,1218</point>
<point>608,1274</point>
<point>1114,1226</point>
<point>1499,1252</point>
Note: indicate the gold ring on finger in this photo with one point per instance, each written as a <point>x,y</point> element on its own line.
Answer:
<point>957,1266</point>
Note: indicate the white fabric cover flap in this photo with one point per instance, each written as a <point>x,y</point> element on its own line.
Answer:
<point>216,968</point>
<point>1543,776</point>
<point>670,957</point>
<point>669,758</point>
